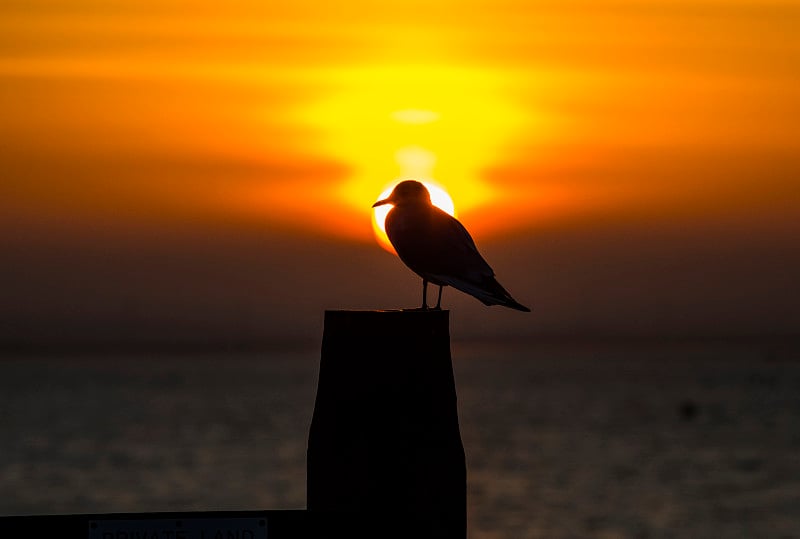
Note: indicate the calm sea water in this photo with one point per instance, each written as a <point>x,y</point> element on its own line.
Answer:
<point>562,441</point>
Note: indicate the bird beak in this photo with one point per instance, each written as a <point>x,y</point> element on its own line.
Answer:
<point>382,202</point>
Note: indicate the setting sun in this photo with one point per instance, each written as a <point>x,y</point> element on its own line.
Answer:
<point>439,198</point>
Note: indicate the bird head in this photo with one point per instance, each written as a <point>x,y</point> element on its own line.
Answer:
<point>407,192</point>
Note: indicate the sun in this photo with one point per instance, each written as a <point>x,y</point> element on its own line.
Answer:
<point>439,198</point>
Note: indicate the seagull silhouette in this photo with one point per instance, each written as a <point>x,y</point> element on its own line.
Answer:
<point>438,248</point>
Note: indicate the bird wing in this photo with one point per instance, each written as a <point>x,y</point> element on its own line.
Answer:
<point>439,249</point>
<point>435,245</point>
<point>488,292</point>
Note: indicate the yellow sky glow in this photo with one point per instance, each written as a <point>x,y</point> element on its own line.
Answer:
<point>424,122</point>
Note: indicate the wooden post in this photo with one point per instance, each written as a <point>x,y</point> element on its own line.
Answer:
<point>384,444</point>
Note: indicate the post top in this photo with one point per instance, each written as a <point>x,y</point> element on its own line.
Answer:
<point>394,322</point>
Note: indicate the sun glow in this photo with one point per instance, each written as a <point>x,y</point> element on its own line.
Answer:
<point>439,198</point>
<point>412,121</point>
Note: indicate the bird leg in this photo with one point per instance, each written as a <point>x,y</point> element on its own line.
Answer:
<point>424,295</point>
<point>439,301</point>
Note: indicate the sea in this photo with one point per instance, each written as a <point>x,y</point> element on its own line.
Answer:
<point>607,440</point>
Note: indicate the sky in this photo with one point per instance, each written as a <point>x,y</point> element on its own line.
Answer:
<point>197,171</point>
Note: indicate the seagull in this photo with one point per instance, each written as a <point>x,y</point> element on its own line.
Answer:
<point>438,248</point>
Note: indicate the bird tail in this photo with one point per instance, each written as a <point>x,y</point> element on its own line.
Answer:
<point>488,292</point>
<point>514,304</point>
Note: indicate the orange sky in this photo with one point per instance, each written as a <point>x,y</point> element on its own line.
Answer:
<point>135,119</point>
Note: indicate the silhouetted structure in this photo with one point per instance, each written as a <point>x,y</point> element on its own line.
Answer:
<point>384,446</point>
